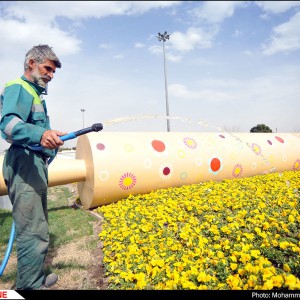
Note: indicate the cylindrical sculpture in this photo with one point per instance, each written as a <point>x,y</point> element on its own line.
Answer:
<point>111,165</point>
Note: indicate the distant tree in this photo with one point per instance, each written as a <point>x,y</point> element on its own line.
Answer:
<point>260,128</point>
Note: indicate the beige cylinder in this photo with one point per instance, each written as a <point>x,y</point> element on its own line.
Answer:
<point>120,164</point>
<point>61,171</point>
<point>110,166</point>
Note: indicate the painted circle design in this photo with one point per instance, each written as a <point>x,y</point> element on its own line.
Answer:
<point>256,149</point>
<point>181,153</point>
<point>183,175</point>
<point>147,163</point>
<point>279,139</point>
<point>158,146</point>
<point>103,175</point>
<point>127,181</point>
<point>100,146</point>
<point>215,164</point>
<point>189,142</point>
<point>165,171</point>
<point>237,170</point>
<point>128,147</point>
<point>296,165</point>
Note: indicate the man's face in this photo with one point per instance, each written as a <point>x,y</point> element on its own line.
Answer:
<point>43,73</point>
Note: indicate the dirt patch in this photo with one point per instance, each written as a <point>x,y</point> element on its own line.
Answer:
<point>88,273</point>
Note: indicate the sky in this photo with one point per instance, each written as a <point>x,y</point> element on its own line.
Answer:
<point>228,65</point>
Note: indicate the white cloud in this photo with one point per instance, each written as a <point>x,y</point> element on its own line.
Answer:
<point>139,45</point>
<point>157,50</point>
<point>26,23</point>
<point>173,57</point>
<point>276,7</point>
<point>285,37</point>
<point>207,94</point>
<point>193,38</point>
<point>19,37</point>
<point>263,92</point>
<point>118,56</point>
<point>105,46</point>
<point>216,11</point>
<point>46,11</point>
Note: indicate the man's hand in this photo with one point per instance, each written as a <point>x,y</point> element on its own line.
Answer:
<point>50,139</point>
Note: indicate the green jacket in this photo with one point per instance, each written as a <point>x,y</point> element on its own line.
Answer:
<point>24,116</point>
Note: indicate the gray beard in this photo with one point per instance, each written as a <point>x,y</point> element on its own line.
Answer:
<point>37,79</point>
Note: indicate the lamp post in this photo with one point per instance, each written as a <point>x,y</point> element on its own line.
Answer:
<point>82,110</point>
<point>164,37</point>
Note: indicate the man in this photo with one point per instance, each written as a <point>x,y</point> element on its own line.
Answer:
<point>24,123</point>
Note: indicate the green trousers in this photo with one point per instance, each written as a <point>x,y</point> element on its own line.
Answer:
<point>26,176</point>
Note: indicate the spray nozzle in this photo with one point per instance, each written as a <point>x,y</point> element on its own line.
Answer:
<point>97,127</point>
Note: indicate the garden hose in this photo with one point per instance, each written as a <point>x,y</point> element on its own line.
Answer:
<point>95,127</point>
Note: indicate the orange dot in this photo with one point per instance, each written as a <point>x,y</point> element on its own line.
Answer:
<point>215,164</point>
<point>158,146</point>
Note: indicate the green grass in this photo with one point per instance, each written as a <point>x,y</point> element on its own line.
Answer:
<point>66,224</point>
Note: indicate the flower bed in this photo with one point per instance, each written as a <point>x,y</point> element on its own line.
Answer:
<point>234,234</point>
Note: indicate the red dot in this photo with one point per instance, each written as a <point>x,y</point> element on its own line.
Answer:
<point>158,146</point>
<point>166,171</point>
<point>100,146</point>
<point>215,164</point>
<point>279,139</point>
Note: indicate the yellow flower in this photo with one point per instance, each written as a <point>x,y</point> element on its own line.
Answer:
<point>257,230</point>
<point>284,245</point>
<point>220,254</point>
<point>233,258</point>
<point>291,281</point>
<point>268,285</point>
<point>141,282</point>
<point>255,253</point>
<point>188,285</point>
<point>277,280</point>
<point>245,257</point>
<point>286,268</point>
<point>233,281</point>
<point>267,273</point>
<point>174,276</point>
<point>242,272</point>
<point>266,225</point>
<point>291,219</point>
<point>217,246</point>
<point>203,277</point>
